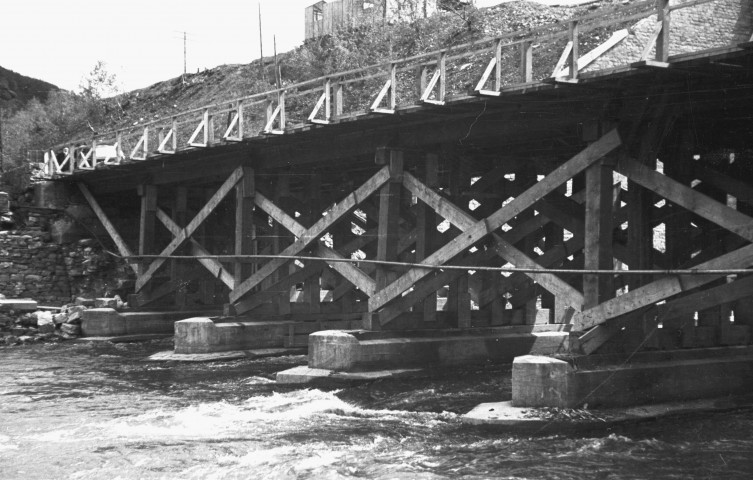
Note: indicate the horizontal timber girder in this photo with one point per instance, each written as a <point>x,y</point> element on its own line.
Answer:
<point>186,232</point>
<point>311,234</point>
<point>477,230</point>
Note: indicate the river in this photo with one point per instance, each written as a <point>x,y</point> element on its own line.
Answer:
<point>100,411</point>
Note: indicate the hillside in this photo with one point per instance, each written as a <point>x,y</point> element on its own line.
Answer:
<point>352,48</point>
<point>16,90</point>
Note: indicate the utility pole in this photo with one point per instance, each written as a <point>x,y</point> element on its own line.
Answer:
<point>184,54</point>
<point>278,79</point>
<point>261,47</point>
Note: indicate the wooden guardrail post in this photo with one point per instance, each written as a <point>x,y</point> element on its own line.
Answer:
<point>574,54</point>
<point>526,61</point>
<point>662,41</point>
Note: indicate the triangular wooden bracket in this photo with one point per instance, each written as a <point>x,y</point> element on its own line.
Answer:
<point>203,128</point>
<point>276,115</point>
<point>163,144</point>
<point>387,88</point>
<point>590,57</point>
<point>85,160</point>
<point>141,150</point>
<point>494,66</point>
<point>437,82</point>
<point>236,123</point>
<point>324,101</point>
<point>480,90</point>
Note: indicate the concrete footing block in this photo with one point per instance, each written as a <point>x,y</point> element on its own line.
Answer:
<point>364,350</point>
<point>20,304</point>
<point>333,350</point>
<point>655,378</point>
<point>102,322</point>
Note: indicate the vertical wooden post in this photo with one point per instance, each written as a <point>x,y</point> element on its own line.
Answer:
<point>662,41</point>
<point>574,54</point>
<point>279,242</point>
<point>598,234</point>
<point>423,80</point>
<point>526,61</point>
<point>458,296</point>
<point>245,231</point>
<point>338,99</point>
<point>178,267</point>
<point>639,233</point>
<point>328,99</point>
<point>442,66</point>
<point>148,194</point>
<point>498,65</point>
<point>312,285</point>
<point>175,134</point>
<point>426,226</point>
<point>393,86</point>
<point>389,218</point>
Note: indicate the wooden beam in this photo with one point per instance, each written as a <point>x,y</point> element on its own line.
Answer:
<point>312,234</point>
<point>708,298</point>
<point>347,270</point>
<point>660,289</point>
<point>147,222</point>
<point>688,198</point>
<point>185,233</point>
<point>111,230</point>
<point>598,235</point>
<point>578,163</point>
<point>389,218</point>
<point>178,268</point>
<point>245,230</point>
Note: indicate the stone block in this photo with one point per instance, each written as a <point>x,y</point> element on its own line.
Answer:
<point>70,329</point>
<point>17,304</point>
<point>103,322</point>
<point>105,303</point>
<point>541,382</point>
<point>333,350</point>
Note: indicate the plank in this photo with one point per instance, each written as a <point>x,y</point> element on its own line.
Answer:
<point>687,198</point>
<point>598,235</point>
<point>245,231</point>
<point>122,246</point>
<point>185,233</point>
<point>147,221</point>
<point>560,175</point>
<point>711,297</point>
<point>660,289</point>
<point>740,189</point>
<point>313,233</point>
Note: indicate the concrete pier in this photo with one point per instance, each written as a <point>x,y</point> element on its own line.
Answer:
<point>107,322</point>
<point>648,377</point>
<point>343,351</point>
<point>205,335</point>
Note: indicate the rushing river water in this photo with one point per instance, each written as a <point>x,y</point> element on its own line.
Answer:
<point>91,411</point>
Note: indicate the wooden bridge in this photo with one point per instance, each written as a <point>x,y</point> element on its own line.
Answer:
<point>540,177</point>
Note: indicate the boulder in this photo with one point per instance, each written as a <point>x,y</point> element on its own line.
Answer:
<point>70,329</point>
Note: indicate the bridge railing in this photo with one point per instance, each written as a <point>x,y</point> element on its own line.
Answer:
<point>485,67</point>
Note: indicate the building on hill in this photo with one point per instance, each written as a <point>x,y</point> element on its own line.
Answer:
<point>325,17</point>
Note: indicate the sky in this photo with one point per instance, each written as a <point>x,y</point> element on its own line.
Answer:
<point>141,41</point>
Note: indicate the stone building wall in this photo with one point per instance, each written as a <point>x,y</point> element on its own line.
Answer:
<point>701,27</point>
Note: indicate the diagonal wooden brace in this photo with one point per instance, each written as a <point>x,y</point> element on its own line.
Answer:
<point>119,242</point>
<point>313,233</point>
<point>186,233</point>
<point>480,229</point>
<point>214,266</point>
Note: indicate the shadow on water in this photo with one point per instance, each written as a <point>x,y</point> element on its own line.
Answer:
<point>82,411</point>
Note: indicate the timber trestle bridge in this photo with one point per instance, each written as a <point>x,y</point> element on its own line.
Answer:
<point>591,178</point>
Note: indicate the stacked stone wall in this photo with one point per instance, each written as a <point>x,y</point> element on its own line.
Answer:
<point>711,25</point>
